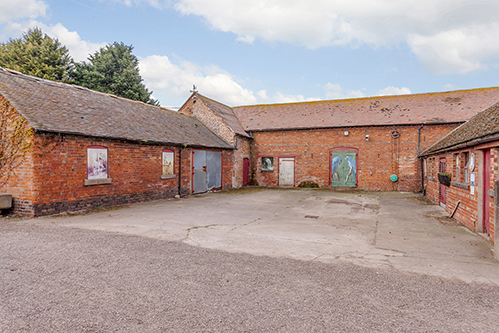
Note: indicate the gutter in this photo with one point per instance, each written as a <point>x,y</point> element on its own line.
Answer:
<point>349,126</point>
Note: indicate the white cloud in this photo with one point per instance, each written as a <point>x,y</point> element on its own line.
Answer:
<point>153,3</point>
<point>160,73</point>
<point>281,98</point>
<point>336,91</point>
<point>446,35</point>
<point>169,80</point>
<point>78,48</point>
<point>449,86</point>
<point>394,91</point>
<point>458,50</point>
<point>15,9</point>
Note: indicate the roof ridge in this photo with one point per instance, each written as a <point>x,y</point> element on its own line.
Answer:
<point>71,86</point>
<point>364,98</point>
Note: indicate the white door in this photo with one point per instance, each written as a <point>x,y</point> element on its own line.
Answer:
<point>286,172</point>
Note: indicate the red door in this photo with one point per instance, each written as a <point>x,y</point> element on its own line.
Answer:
<point>486,187</point>
<point>442,167</point>
<point>245,171</point>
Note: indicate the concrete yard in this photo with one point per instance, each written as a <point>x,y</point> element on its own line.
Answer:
<point>252,260</point>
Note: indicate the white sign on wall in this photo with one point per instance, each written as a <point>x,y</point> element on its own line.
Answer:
<point>472,189</point>
<point>472,178</point>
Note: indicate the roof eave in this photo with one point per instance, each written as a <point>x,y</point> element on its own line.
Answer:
<point>142,141</point>
<point>343,126</point>
<point>462,145</point>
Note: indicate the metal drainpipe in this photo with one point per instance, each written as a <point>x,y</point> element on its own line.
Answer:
<point>421,160</point>
<point>180,171</point>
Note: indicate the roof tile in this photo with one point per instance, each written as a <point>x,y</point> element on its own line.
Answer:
<point>57,107</point>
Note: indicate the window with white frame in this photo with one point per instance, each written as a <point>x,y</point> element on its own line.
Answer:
<point>457,167</point>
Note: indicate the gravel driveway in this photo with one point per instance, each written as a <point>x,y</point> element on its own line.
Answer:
<point>56,278</point>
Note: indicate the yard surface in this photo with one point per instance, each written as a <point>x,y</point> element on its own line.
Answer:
<point>249,261</point>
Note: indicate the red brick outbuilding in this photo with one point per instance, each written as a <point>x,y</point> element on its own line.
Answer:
<point>92,149</point>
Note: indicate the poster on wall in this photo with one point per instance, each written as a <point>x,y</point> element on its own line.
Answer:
<point>167,163</point>
<point>343,168</point>
<point>96,163</point>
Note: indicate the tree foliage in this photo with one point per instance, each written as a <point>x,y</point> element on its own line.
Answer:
<point>15,140</point>
<point>37,54</point>
<point>114,70</point>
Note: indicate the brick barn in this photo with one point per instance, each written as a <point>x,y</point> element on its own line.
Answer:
<point>94,149</point>
<point>367,143</point>
<point>462,173</point>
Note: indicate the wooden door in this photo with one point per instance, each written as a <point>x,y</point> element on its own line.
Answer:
<point>442,167</point>
<point>485,192</point>
<point>286,171</point>
<point>246,171</point>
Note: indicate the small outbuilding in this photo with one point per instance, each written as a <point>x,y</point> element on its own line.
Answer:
<point>91,149</point>
<point>462,173</point>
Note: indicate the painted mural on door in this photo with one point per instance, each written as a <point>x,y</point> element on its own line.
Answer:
<point>343,168</point>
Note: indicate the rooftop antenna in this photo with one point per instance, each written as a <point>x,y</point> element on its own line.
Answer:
<point>194,89</point>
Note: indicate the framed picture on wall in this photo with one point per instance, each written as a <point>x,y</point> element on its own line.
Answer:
<point>267,163</point>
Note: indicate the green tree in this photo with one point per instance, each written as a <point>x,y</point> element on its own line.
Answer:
<point>37,54</point>
<point>114,70</point>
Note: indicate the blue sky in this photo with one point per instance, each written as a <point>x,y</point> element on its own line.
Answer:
<point>271,51</point>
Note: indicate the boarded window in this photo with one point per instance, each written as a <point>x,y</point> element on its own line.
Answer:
<point>167,163</point>
<point>97,163</point>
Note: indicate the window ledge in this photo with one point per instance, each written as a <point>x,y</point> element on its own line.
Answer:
<point>168,176</point>
<point>267,170</point>
<point>89,182</point>
<point>430,178</point>
<point>460,185</point>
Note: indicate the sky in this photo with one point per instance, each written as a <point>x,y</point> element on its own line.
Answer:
<point>244,52</point>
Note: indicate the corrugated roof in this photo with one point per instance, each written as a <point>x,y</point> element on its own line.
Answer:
<point>225,113</point>
<point>446,107</point>
<point>482,126</point>
<point>57,107</point>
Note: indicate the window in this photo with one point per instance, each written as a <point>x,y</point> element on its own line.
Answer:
<point>167,164</point>
<point>457,167</point>
<point>267,163</point>
<point>97,163</point>
<point>97,166</point>
<point>466,171</point>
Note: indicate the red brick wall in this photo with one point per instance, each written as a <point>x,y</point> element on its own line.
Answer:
<point>469,211</point>
<point>377,159</point>
<point>243,151</point>
<point>198,109</point>
<point>57,170</point>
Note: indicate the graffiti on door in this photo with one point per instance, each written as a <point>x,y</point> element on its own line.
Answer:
<point>344,168</point>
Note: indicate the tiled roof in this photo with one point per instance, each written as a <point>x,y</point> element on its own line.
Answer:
<point>225,113</point>
<point>63,108</point>
<point>446,107</point>
<point>483,126</point>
